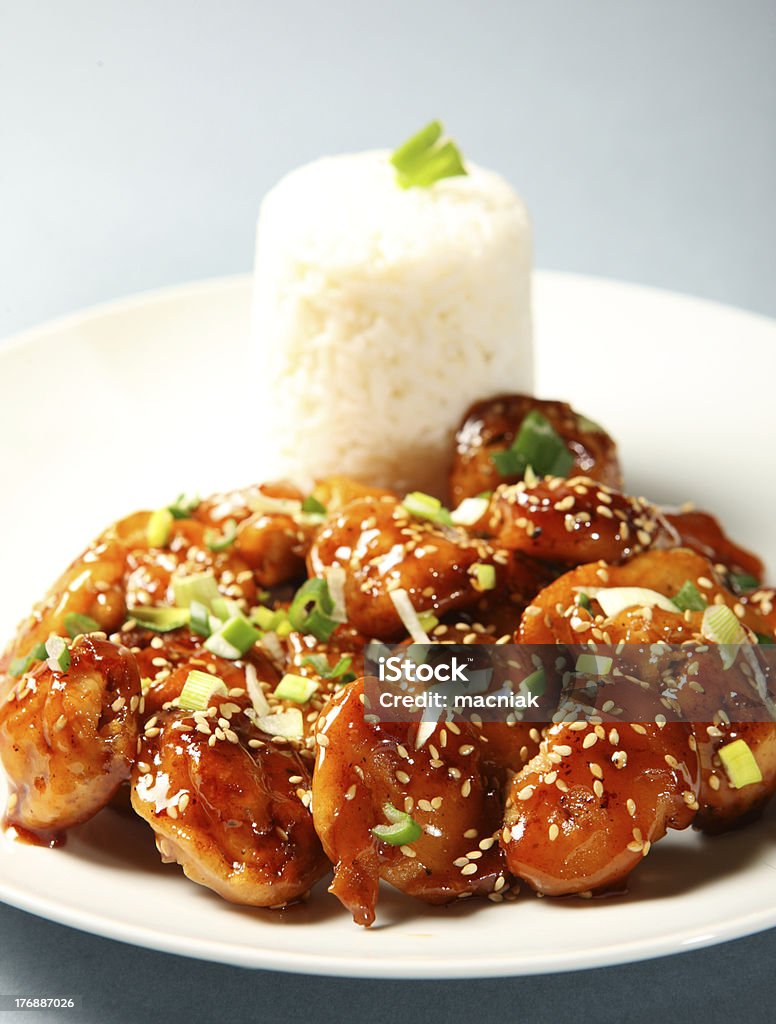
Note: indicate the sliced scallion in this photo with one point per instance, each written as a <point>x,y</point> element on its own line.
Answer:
<point>311,610</point>
<point>425,506</point>
<point>593,665</point>
<point>216,541</point>
<point>57,654</point>
<point>199,619</point>
<point>201,587</point>
<point>77,624</point>
<point>537,445</point>
<point>183,506</point>
<point>312,507</point>
<point>402,830</point>
<point>721,627</point>
<point>320,664</point>
<point>159,528</point>
<point>484,576</point>
<point>21,665</point>
<point>198,689</point>
<point>689,598</point>
<point>740,764</point>
<point>743,582</point>
<point>296,688</point>
<point>535,683</point>
<point>160,620</point>
<point>428,621</point>
<point>234,639</point>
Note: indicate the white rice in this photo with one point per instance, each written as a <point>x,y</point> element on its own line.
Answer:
<point>380,314</point>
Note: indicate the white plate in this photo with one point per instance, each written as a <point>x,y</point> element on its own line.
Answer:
<point>127,405</point>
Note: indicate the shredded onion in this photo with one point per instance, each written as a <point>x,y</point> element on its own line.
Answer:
<point>335,580</point>
<point>283,723</point>
<point>408,615</point>
<point>255,692</point>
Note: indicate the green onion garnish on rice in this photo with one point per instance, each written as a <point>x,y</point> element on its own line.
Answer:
<point>425,158</point>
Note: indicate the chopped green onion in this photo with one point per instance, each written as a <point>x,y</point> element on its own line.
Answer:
<point>402,830</point>
<point>743,582</point>
<point>160,620</point>
<point>536,682</point>
<point>265,618</point>
<point>320,664</point>
<point>416,147</point>
<point>765,639</point>
<point>537,445</point>
<point>312,507</point>
<point>425,506</point>
<point>484,575</point>
<point>721,627</point>
<point>201,587</point>
<point>221,541</point>
<point>224,608</point>
<point>740,764</point>
<point>233,639</point>
<point>428,621</point>
<point>159,528</point>
<point>311,609</point>
<point>424,158</point>
<point>21,665</point>
<point>296,688</point>
<point>583,601</point>
<point>593,665</point>
<point>284,628</point>
<point>198,689</point>
<point>689,598</point>
<point>199,619</point>
<point>183,506</point>
<point>470,511</point>
<point>77,624</point>
<point>58,655</point>
<point>445,161</point>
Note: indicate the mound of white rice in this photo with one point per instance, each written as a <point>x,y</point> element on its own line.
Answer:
<point>381,313</point>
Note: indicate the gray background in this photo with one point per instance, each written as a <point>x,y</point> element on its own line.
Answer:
<point>136,140</point>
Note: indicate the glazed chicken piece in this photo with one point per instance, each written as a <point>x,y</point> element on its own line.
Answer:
<point>382,549</point>
<point>363,766</point>
<point>165,660</point>
<point>121,569</point>
<point>229,804</point>
<point>68,738</point>
<point>557,616</point>
<point>491,426</point>
<point>586,810</point>
<point>702,532</point>
<point>574,521</point>
<point>93,585</point>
